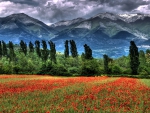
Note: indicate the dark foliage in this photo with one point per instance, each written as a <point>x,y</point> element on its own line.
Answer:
<point>52,52</point>
<point>37,47</point>
<point>90,68</point>
<point>4,49</point>
<point>55,70</point>
<point>88,52</point>
<point>134,58</point>
<point>66,52</point>
<point>11,51</point>
<point>31,47</point>
<point>106,68</point>
<point>23,47</point>
<point>1,52</point>
<point>73,49</point>
<point>45,52</point>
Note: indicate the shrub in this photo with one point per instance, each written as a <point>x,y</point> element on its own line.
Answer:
<point>16,69</point>
<point>90,68</point>
<point>127,71</point>
<point>50,69</point>
<point>74,71</point>
<point>143,70</point>
<point>116,70</point>
<point>59,70</point>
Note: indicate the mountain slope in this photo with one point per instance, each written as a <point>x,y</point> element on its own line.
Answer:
<point>107,33</point>
<point>18,27</point>
<point>62,25</point>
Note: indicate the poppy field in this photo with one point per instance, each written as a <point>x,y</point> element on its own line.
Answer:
<point>46,94</point>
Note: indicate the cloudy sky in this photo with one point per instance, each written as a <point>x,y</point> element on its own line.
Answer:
<point>51,11</point>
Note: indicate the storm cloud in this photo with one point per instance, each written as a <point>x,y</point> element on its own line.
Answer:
<point>51,11</point>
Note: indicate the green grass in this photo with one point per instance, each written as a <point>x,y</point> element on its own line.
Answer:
<point>146,81</point>
<point>25,77</point>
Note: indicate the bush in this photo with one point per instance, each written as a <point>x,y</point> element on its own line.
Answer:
<point>5,68</point>
<point>50,69</point>
<point>44,70</point>
<point>16,69</point>
<point>143,70</point>
<point>1,69</point>
<point>127,71</point>
<point>90,68</point>
<point>116,70</point>
<point>101,70</point>
<point>59,70</point>
<point>74,71</point>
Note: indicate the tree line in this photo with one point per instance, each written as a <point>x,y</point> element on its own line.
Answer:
<point>37,58</point>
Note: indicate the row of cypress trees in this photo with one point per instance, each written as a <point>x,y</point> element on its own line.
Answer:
<point>43,53</point>
<point>9,52</point>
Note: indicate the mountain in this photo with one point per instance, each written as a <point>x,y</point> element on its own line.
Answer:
<point>62,25</point>
<point>20,26</point>
<point>105,33</point>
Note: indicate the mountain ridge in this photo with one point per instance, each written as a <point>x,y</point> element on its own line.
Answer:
<point>103,32</point>
<point>21,25</point>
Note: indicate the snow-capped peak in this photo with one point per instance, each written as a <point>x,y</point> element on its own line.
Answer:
<point>132,17</point>
<point>127,16</point>
<point>107,15</point>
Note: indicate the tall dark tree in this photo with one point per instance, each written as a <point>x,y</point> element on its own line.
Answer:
<point>134,58</point>
<point>4,48</point>
<point>23,47</point>
<point>73,49</point>
<point>88,52</point>
<point>31,47</point>
<point>52,51</point>
<point>45,52</point>
<point>37,47</point>
<point>106,61</point>
<point>11,51</point>
<point>1,52</point>
<point>66,52</point>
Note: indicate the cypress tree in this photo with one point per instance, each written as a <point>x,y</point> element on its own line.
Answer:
<point>4,48</point>
<point>106,60</point>
<point>23,47</point>
<point>37,47</point>
<point>11,51</point>
<point>134,58</point>
<point>44,51</point>
<point>66,52</point>
<point>73,49</point>
<point>88,52</point>
<point>31,47</point>
<point>52,51</point>
<point>1,52</point>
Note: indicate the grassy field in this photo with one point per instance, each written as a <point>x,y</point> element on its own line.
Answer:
<point>45,94</point>
<point>146,82</point>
